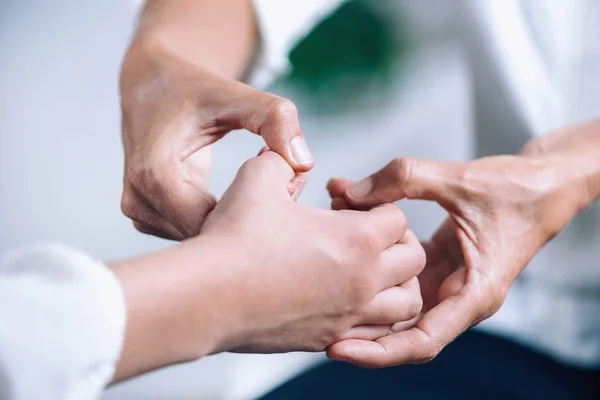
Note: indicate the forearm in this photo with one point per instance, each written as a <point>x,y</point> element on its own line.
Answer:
<point>218,35</point>
<point>173,314</point>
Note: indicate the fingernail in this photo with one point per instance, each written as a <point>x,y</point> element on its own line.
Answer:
<point>300,151</point>
<point>329,182</point>
<point>361,189</point>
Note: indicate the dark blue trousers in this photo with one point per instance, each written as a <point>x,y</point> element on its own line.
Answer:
<point>474,366</point>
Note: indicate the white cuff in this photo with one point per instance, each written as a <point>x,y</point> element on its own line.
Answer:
<point>62,324</point>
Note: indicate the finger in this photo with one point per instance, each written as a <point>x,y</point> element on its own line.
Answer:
<point>336,187</point>
<point>374,332</point>
<point>400,263</point>
<point>276,120</point>
<point>179,198</point>
<point>149,230</point>
<point>384,224</point>
<point>188,207</point>
<point>396,304</point>
<point>410,238</point>
<point>367,332</point>
<point>338,203</point>
<point>408,178</point>
<point>146,219</point>
<point>403,325</point>
<point>263,150</point>
<point>296,186</point>
<point>267,174</point>
<point>158,226</point>
<point>436,329</point>
<point>177,191</point>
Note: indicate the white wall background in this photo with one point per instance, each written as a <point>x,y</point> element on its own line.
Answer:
<point>61,158</point>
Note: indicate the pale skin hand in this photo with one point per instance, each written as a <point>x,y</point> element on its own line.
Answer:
<point>180,94</point>
<point>502,210</point>
<point>269,275</point>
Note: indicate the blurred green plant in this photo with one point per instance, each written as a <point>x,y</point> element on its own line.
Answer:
<point>350,58</point>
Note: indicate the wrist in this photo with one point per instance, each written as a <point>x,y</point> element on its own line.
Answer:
<point>577,148</point>
<point>174,308</point>
<point>564,185</point>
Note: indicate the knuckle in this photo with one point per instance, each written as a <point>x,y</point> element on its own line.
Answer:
<point>281,109</point>
<point>396,216</point>
<point>142,228</point>
<point>129,206</point>
<point>361,288</point>
<point>419,256</point>
<point>426,349</point>
<point>363,240</point>
<point>283,106</point>
<point>415,306</point>
<point>135,178</point>
<point>400,216</point>
<point>320,343</point>
<point>327,338</point>
<point>140,179</point>
<point>401,169</point>
<point>428,352</point>
<point>261,165</point>
<point>429,355</point>
<point>250,165</point>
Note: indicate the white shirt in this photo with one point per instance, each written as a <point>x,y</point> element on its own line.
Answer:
<point>62,323</point>
<point>537,66</point>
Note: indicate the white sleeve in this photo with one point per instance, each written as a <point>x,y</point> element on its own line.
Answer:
<point>62,323</point>
<point>282,24</point>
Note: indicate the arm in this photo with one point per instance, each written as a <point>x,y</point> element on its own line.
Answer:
<point>172,307</point>
<point>236,288</point>
<point>180,94</point>
<point>66,318</point>
<point>502,210</point>
<point>217,35</point>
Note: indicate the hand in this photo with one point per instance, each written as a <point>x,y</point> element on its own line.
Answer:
<point>172,112</point>
<point>269,275</point>
<point>502,210</point>
<point>307,277</point>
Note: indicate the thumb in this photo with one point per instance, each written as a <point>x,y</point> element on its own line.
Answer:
<point>408,178</point>
<point>268,174</point>
<point>276,120</point>
<point>296,185</point>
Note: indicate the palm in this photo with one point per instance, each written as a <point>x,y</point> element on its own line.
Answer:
<point>196,177</point>
<point>445,272</point>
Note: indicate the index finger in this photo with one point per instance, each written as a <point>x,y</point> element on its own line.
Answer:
<point>422,343</point>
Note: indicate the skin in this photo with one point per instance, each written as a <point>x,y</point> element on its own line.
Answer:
<point>324,276</point>
<point>501,211</point>
<point>179,94</point>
